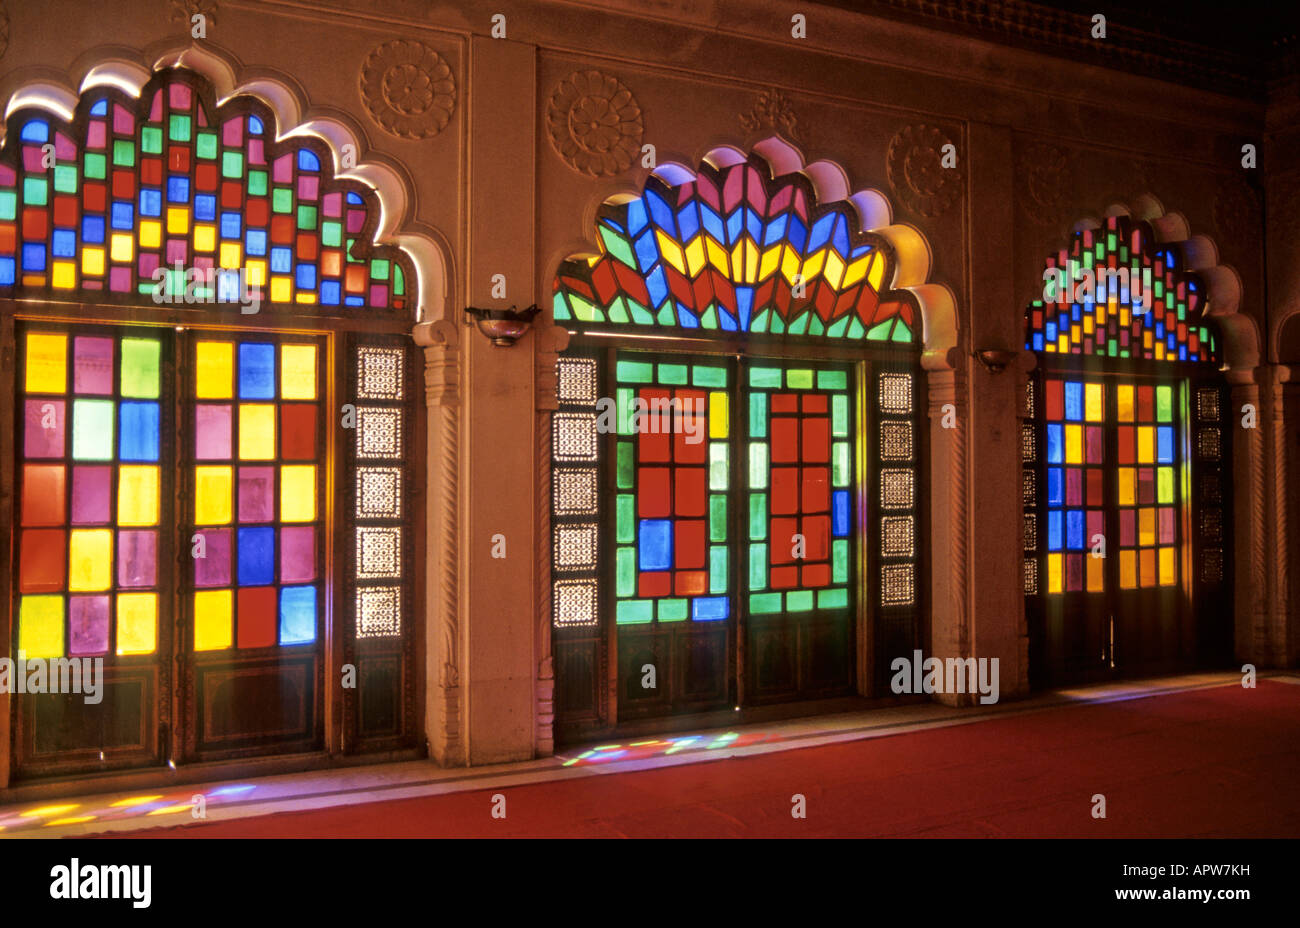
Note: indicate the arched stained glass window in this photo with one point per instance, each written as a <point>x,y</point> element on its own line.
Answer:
<point>735,250</point>
<point>216,429</point>
<point>735,452</point>
<point>1124,457</point>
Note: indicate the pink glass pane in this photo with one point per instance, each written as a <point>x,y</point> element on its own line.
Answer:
<point>90,494</point>
<point>88,624</point>
<point>212,433</point>
<point>137,558</point>
<point>1166,526</point>
<point>39,441</point>
<point>92,365</point>
<point>297,554</point>
<point>256,494</point>
<point>214,569</point>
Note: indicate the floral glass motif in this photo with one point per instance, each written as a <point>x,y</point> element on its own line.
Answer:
<point>1153,311</point>
<point>736,250</point>
<point>172,183</point>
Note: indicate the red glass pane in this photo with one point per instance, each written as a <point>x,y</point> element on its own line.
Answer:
<point>689,543</point>
<point>43,489</point>
<point>1055,398</point>
<point>785,442</point>
<point>785,491</point>
<point>690,491</point>
<point>653,499</point>
<point>41,567</point>
<point>256,622</point>
<point>782,540</point>
<point>298,431</point>
<point>816,440</point>
<point>816,489</point>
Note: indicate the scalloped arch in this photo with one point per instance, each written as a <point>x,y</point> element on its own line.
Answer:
<point>709,280</point>
<point>386,185</point>
<point>1223,288</point>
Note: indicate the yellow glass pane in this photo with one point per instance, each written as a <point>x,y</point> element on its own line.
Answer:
<point>213,625</point>
<point>1148,566</point>
<point>212,495</point>
<point>65,275</point>
<point>178,220</point>
<point>1093,409</point>
<point>1168,573</point>
<point>137,623</point>
<point>280,290</point>
<point>47,363</point>
<point>1165,485</point>
<point>121,248</point>
<point>150,234</point>
<point>1146,526</point>
<point>205,238</point>
<point>1074,444</point>
<point>257,431</point>
<point>256,273</point>
<point>214,364</point>
<point>90,559</point>
<point>230,254</point>
<point>1124,402</point>
<point>718,422</point>
<point>1126,481</point>
<point>297,372</point>
<point>1128,570</point>
<point>40,626</point>
<point>92,262</point>
<point>137,495</point>
<point>1054,573</point>
<point>1095,573</point>
<point>1146,450</point>
<point>298,493</point>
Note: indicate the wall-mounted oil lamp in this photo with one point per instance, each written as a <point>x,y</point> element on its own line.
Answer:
<point>503,326</point>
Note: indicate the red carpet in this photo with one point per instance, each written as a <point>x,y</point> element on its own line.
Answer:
<point>1219,762</point>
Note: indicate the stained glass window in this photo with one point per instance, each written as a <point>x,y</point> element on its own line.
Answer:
<point>736,250</point>
<point>91,488</point>
<point>1075,446</point>
<point>172,190</point>
<point>1117,293</point>
<point>257,479</point>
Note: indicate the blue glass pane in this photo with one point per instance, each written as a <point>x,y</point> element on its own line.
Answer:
<point>1055,486</point>
<point>1074,401</point>
<point>307,161</point>
<point>840,512</point>
<point>655,544</point>
<point>256,242</point>
<point>330,291</point>
<point>709,608</point>
<point>138,431</point>
<point>205,208</point>
<point>256,556</point>
<point>123,215</point>
<point>64,243</point>
<point>1055,443</point>
<point>1074,528</point>
<point>92,229</point>
<point>150,202</point>
<point>178,189</point>
<point>1054,530</point>
<point>297,614</point>
<point>230,225</point>
<point>1165,444</point>
<point>256,372</point>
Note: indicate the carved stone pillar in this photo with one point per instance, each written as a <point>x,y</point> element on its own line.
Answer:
<point>949,549</point>
<point>1280,633</point>
<point>1251,578</point>
<point>443,723</point>
<point>551,340</point>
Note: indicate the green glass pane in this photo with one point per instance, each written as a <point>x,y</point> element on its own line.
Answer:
<point>399,281</point>
<point>832,380</point>
<point>840,561</point>
<point>8,204</point>
<point>232,164</point>
<point>708,376</point>
<point>626,465</point>
<point>765,377</point>
<point>901,332</point>
<point>140,367</point>
<point>1164,404</point>
<point>625,519</point>
<point>378,266</point>
<point>331,234</point>
<point>123,153</point>
<point>832,599</point>
<point>617,245</point>
<point>65,178</point>
<point>757,516</point>
<point>718,569</point>
<point>672,373</point>
<point>710,318</point>
<point>840,415</point>
<point>206,146</point>
<point>757,465</point>
<point>1165,484</point>
<point>717,465</point>
<point>880,331</point>
<point>281,200</point>
<point>673,610</point>
<point>625,395</point>
<point>799,601</point>
<point>151,140</point>
<point>307,222</point>
<point>35,191</point>
<point>758,567</point>
<point>764,603</point>
<point>625,572</point>
<point>257,183</point>
<point>635,612</point>
<point>635,371</point>
<point>717,517</point>
<point>92,430</point>
<point>758,415</point>
<point>799,379</point>
<point>840,463</point>
<point>179,128</point>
